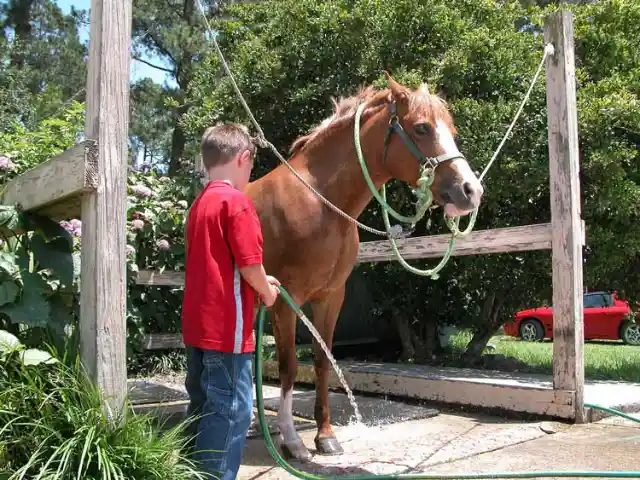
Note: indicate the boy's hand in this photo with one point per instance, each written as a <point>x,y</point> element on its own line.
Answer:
<point>273,280</point>
<point>270,298</point>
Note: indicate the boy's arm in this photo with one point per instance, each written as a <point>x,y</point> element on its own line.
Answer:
<point>245,239</point>
<point>257,278</point>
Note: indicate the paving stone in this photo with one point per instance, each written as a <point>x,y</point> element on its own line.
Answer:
<point>148,391</point>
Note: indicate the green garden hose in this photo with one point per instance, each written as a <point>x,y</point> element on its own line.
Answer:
<point>309,476</point>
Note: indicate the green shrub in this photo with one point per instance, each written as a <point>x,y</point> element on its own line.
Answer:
<point>290,56</point>
<point>39,269</point>
<point>54,426</point>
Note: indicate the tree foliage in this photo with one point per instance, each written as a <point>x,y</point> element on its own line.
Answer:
<point>173,34</point>
<point>289,57</point>
<point>43,60</point>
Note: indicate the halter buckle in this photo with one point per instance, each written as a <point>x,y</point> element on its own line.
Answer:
<point>431,162</point>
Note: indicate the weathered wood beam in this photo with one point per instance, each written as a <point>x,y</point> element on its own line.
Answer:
<point>54,187</point>
<point>424,383</point>
<point>103,296</point>
<point>498,240</point>
<point>564,167</point>
<point>161,341</point>
<point>165,279</point>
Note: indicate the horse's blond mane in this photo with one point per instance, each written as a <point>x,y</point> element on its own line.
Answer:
<point>420,101</point>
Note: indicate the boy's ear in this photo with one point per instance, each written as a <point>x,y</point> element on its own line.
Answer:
<point>244,158</point>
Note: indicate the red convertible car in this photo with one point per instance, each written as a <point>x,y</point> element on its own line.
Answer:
<point>606,317</point>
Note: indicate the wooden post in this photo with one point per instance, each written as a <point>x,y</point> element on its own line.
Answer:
<point>103,295</point>
<point>568,332</point>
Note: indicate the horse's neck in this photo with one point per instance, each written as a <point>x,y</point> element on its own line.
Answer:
<point>336,172</point>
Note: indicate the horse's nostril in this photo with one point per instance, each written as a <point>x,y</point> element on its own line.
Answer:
<point>467,188</point>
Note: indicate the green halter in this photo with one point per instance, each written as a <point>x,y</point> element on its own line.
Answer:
<point>422,192</point>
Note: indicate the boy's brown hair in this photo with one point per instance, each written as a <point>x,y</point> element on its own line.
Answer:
<point>221,143</point>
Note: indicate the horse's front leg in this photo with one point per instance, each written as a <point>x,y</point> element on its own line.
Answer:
<point>325,316</point>
<point>284,329</point>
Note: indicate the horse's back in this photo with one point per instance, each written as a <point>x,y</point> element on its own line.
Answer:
<point>305,246</point>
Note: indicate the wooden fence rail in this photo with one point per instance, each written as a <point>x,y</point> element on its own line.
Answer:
<point>498,240</point>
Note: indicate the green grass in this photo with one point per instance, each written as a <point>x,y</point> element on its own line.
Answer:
<point>603,360</point>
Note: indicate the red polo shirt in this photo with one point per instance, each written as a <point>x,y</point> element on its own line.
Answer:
<point>223,234</point>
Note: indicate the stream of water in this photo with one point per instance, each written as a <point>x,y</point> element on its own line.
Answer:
<point>339,373</point>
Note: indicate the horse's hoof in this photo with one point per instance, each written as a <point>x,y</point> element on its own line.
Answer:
<point>295,451</point>
<point>328,446</point>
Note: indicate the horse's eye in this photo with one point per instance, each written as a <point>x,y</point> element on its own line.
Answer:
<point>422,128</point>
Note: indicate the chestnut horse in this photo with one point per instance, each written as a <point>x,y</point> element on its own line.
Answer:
<point>312,250</point>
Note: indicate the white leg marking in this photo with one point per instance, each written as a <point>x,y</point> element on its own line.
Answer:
<point>285,417</point>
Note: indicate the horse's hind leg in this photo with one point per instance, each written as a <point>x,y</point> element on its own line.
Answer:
<point>325,316</point>
<point>284,328</point>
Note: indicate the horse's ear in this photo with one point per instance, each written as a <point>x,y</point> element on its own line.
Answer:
<point>399,92</point>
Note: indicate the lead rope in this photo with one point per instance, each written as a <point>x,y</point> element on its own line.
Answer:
<point>425,199</point>
<point>549,50</point>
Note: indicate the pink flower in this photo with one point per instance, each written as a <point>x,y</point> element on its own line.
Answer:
<point>74,227</point>
<point>130,250</point>
<point>142,190</point>
<point>163,245</point>
<point>137,224</point>
<point>6,163</point>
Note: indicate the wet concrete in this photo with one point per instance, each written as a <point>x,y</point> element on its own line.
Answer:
<point>447,443</point>
<point>487,389</point>
<point>373,410</point>
<point>455,444</point>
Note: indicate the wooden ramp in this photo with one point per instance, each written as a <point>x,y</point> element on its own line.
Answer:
<point>482,389</point>
<point>489,389</point>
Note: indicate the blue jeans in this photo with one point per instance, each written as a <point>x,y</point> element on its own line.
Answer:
<point>220,388</point>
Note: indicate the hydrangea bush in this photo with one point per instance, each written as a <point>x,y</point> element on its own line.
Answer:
<point>30,296</point>
<point>156,211</point>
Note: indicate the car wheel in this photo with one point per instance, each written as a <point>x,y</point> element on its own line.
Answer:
<point>531,330</point>
<point>630,333</point>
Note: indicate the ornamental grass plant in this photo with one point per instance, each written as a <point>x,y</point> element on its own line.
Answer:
<point>53,425</point>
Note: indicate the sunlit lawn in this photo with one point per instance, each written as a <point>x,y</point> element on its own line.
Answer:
<point>602,359</point>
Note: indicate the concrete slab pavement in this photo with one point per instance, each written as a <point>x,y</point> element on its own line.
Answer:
<point>451,444</point>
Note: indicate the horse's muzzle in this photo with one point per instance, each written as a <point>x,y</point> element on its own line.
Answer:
<point>463,197</point>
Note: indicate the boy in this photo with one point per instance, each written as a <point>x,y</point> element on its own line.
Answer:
<point>224,272</point>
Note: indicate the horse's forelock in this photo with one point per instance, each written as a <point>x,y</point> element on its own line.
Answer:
<point>422,103</point>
